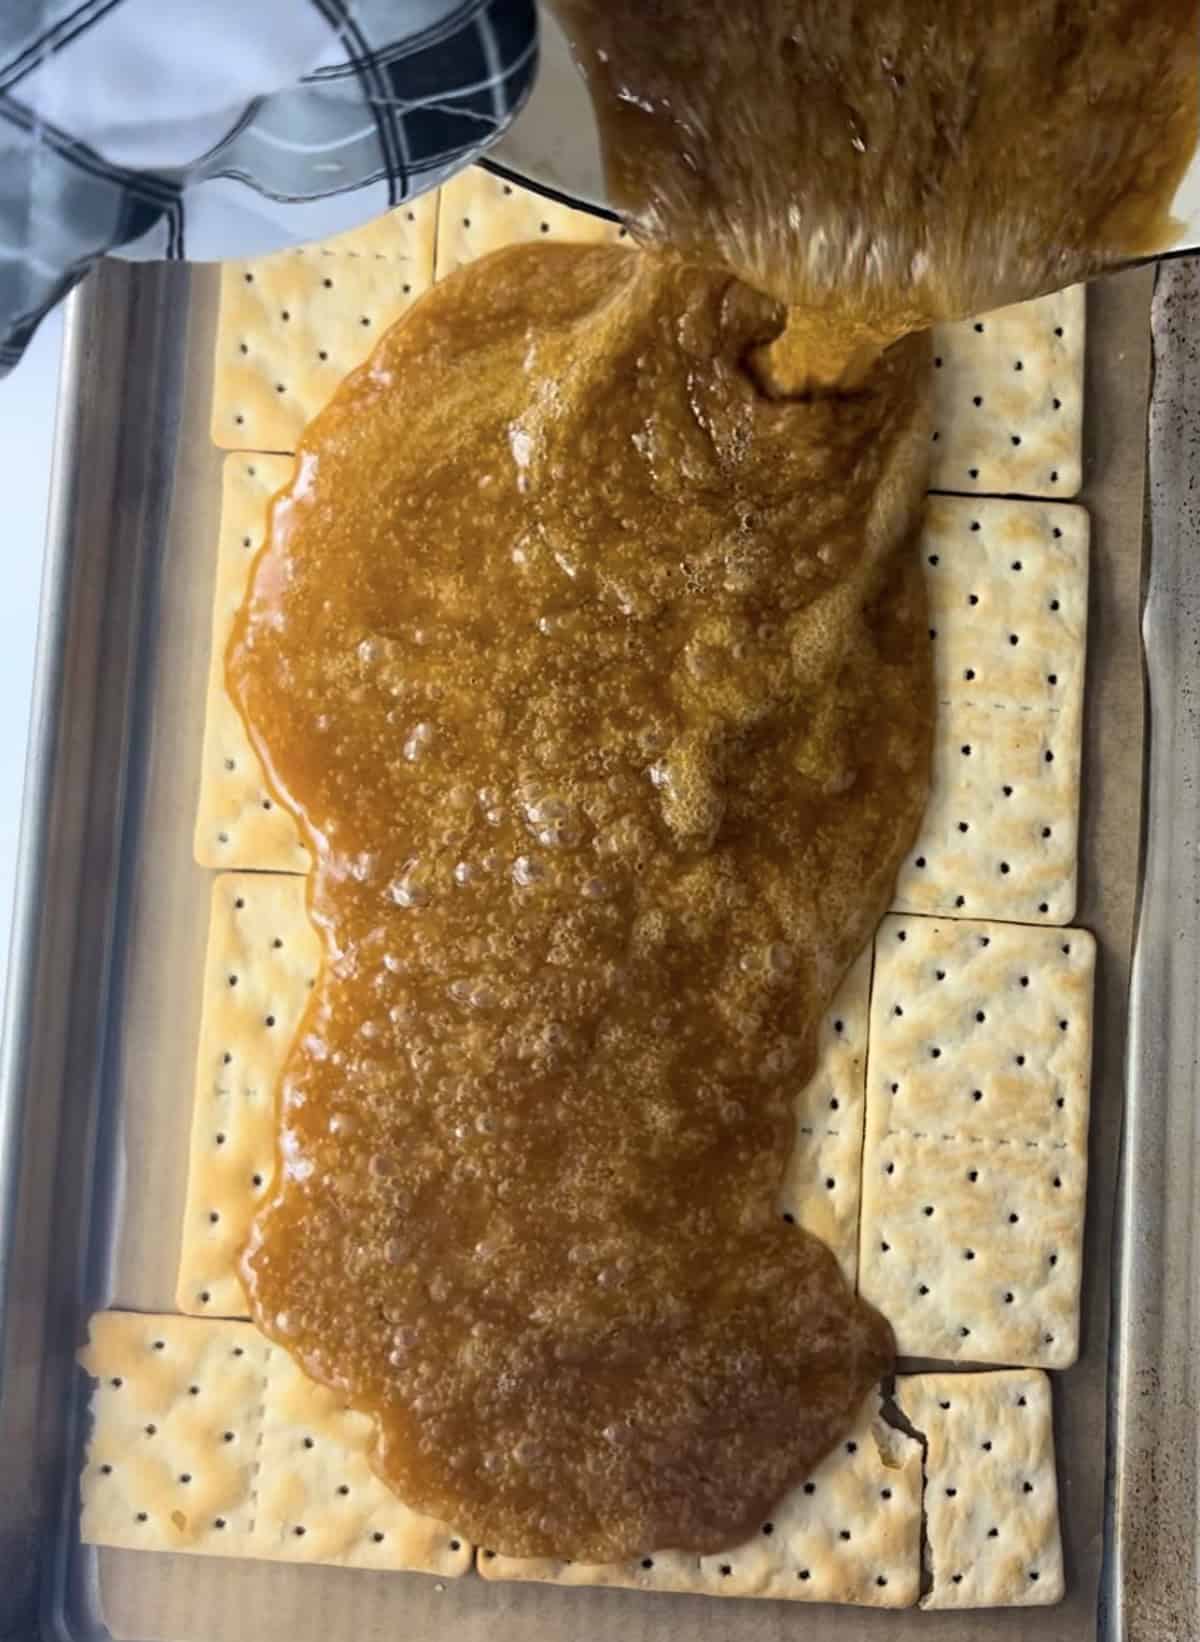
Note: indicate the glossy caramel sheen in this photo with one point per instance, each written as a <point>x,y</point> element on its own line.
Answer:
<point>600,685</point>
<point>892,163</point>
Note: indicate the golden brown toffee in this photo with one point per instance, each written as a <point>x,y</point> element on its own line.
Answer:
<point>600,685</point>
<point>895,162</point>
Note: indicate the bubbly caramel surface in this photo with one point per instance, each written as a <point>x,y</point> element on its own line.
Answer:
<point>600,684</point>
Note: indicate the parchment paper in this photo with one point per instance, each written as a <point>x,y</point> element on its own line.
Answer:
<point>201,1599</point>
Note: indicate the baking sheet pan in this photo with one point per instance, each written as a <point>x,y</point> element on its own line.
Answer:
<point>101,1027</point>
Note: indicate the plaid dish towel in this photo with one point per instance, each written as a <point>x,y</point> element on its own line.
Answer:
<point>216,128</point>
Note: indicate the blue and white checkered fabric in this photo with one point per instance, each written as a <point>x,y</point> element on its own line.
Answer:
<point>216,128</point>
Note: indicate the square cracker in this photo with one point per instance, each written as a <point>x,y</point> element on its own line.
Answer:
<point>820,1188</point>
<point>263,957</point>
<point>479,213</point>
<point>975,1154</point>
<point>851,1533</point>
<point>1000,831</point>
<point>238,822</point>
<point>991,1495</point>
<point>207,1438</point>
<point>1007,583</point>
<point>1008,588</point>
<point>172,1458</point>
<point>292,325</point>
<point>1008,408</point>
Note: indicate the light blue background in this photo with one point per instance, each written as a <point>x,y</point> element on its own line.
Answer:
<point>27,400</point>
